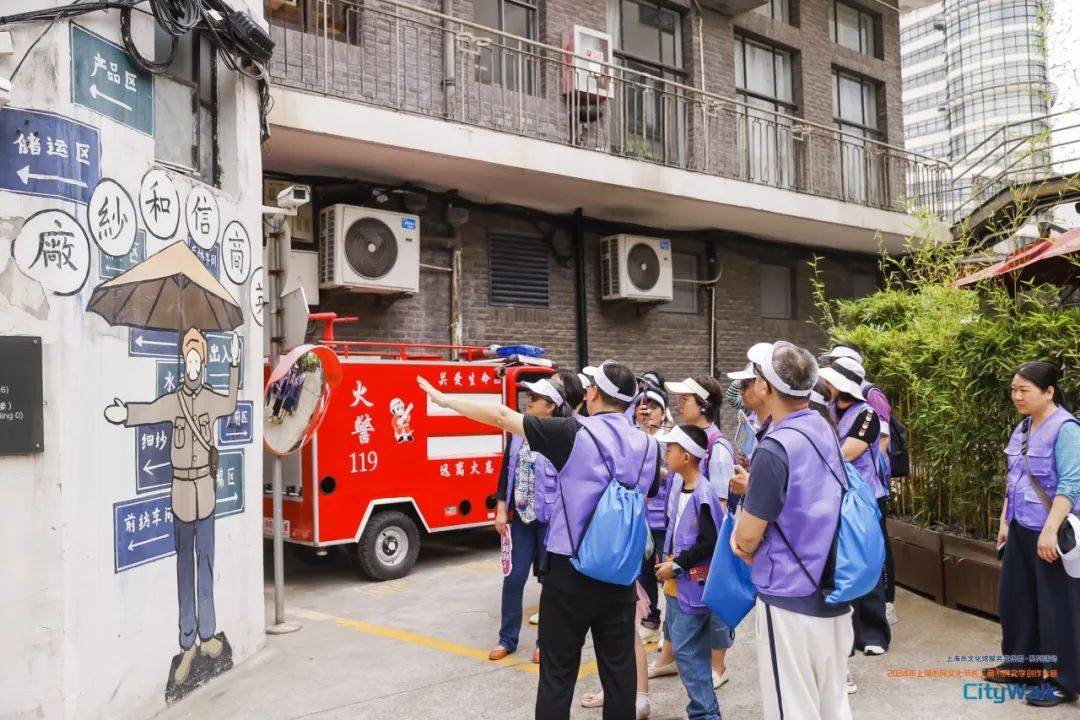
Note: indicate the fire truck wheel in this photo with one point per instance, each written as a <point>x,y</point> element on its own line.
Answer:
<point>388,548</point>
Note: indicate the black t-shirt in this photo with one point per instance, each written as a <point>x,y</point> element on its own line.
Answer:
<point>554,439</point>
<point>867,425</point>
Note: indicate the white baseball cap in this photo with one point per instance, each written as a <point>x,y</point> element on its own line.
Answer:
<point>1071,559</point>
<point>846,375</point>
<point>689,386</point>
<point>544,388</point>
<point>678,436</point>
<point>841,351</point>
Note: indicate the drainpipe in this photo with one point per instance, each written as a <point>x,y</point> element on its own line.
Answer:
<point>580,290</point>
<point>449,62</point>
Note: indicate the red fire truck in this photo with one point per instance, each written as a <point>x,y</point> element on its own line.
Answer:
<point>388,466</point>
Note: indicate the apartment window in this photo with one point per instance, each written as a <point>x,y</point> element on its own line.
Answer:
<point>648,43</point>
<point>855,110</point>
<point>779,10</point>
<point>853,28</point>
<point>509,63</point>
<point>185,106</point>
<point>684,299</point>
<point>763,82</point>
<point>776,287</point>
<point>518,270</point>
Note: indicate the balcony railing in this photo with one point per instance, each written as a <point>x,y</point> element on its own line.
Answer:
<point>410,59</point>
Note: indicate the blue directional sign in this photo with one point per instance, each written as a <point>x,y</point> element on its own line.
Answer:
<point>152,343</point>
<point>238,428</point>
<point>153,463</point>
<point>168,377</point>
<point>142,531</point>
<point>230,484</point>
<point>106,80</point>
<point>48,155</point>
<point>109,266</point>
<point>218,365</point>
<point>211,258</point>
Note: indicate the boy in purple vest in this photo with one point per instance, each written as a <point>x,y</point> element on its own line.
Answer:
<point>585,451</point>
<point>785,532</point>
<point>693,518</point>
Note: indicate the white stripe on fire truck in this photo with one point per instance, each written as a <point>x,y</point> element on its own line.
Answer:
<point>463,446</point>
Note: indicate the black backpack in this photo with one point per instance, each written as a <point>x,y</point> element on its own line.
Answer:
<point>899,455</point>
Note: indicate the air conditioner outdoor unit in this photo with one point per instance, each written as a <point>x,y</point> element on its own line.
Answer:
<point>369,250</point>
<point>635,268</point>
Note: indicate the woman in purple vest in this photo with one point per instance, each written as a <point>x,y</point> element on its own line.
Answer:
<point>587,453</point>
<point>858,426</point>
<point>527,487</point>
<point>792,506</point>
<point>694,515</point>
<point>1038,603</point>
<point>700,400</point>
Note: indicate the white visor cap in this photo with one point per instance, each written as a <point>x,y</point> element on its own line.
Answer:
<point>545,389</point>
<point>677,436</point>
<point>762,356</point>
<point>689,386</point>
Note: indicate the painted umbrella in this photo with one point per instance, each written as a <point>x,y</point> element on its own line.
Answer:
<point>171,290</point>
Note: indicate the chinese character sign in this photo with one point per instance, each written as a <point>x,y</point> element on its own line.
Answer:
<point>53,249</point>
<point>48,155</point>
<point>159,204</point>
<point>236,252</point>
<point>106,80</point>
<point>257,295</point>
<point>111,218</point>
<point>203,218</point>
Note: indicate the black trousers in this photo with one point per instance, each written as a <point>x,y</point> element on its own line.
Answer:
<point>648,576</point>
<point>890,572</point>
<point>868,612</point>
<point>1039,607</point>
<point>566,617</point>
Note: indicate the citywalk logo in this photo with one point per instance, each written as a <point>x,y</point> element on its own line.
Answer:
<point>994,693</point>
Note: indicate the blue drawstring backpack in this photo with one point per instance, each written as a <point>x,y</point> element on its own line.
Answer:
<point>613,543</point>
<point>729,592</point>
<point>858,550</point>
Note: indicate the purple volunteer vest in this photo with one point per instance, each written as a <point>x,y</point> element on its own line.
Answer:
<point>811,508</point>
<point>715,436</point>
<point>585,476</point>
<point>656,507</point>
<point>866,463</point>
<point>685,535</point>
<point>1025,505</point>
<point>544,474</point>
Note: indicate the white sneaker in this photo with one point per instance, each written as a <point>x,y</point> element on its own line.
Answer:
<point>656,671</point>
<point>648,635</point>
<point>534,619</point>
<point>851,687</point>
<point>874,650</point>
<point>890,613</point>
<point>718,680</point>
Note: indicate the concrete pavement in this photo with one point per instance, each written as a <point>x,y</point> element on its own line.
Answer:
<point>417,648</point>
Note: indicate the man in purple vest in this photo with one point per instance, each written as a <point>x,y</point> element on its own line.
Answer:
<point>571,604</point>
<point>785,531</point>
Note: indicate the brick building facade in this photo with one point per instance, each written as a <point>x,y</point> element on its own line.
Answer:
<point>343,63</point>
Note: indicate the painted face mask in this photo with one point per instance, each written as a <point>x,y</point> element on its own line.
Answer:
<point>193,366</point>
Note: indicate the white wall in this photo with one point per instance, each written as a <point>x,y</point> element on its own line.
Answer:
<point>1063,71</point>
<point>80,639</point>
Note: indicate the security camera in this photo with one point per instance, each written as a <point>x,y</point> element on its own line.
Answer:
<point>293,197</point>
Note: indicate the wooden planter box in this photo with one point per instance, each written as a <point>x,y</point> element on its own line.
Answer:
<point>972,572</point>
<point>917,558</point>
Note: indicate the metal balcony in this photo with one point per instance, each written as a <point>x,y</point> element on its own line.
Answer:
<point>410,59</point>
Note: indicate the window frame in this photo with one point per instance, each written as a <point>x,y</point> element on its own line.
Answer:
<point>503,57</point>
<point>869,132</point>
<point>789,269</point>
<point>668,306</point>
<point>212,175</point>
<point>786,13</point>
<point>865,17</point>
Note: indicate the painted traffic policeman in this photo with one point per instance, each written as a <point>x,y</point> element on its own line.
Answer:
<point>193,410</point>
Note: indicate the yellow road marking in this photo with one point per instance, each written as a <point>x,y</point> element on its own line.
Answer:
<point>432,643</point>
